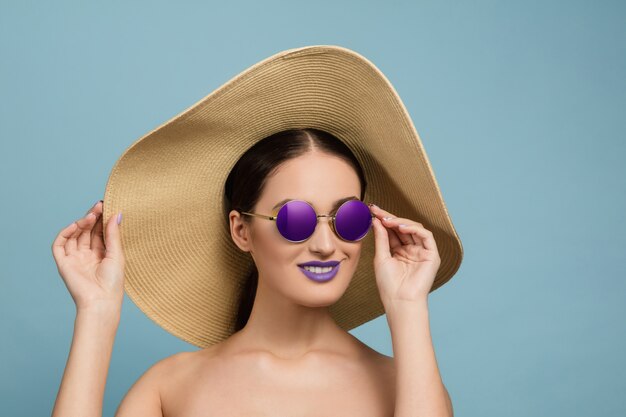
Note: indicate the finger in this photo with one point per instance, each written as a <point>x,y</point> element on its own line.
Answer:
<point>392,236</point>
<point>393,224</point>
<point>96,209</point>
<point>97,242</point>
<point>97,227</point>
<point>84,240</point>
<point>58,246</point>
<point>380,213</point>
<point>113,241</point>
<point>394,240</point>
<point>70,244</point>
<point>422,235</point>
<point>83,223</point>
<point>381,241</point>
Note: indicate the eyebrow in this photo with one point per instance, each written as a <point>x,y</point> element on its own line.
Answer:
<point>335,204</point>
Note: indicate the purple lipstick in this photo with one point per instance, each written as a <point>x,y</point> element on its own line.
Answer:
<point>324,274</point>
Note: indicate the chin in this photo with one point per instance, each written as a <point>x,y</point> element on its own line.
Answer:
<point>321,301</point>
<point>316,294</point>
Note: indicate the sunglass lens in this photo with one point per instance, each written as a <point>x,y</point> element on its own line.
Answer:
<point>353,220</point>
<point>296,221</point>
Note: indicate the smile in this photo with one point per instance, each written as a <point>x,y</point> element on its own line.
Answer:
<point>322,276</point>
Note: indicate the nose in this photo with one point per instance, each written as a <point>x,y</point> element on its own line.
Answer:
<point>323,239</point>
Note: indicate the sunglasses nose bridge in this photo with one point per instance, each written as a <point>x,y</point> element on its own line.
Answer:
<point>330,221</point>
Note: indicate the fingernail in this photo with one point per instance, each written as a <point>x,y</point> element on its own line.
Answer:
<point>119,218</point>
<point>387,218</point>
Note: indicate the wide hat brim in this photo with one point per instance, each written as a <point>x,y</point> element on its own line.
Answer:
<point>182,268</point>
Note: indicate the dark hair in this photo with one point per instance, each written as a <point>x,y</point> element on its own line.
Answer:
<point>246,180</point>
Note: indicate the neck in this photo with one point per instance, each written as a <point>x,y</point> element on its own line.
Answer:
<point>287,329</point>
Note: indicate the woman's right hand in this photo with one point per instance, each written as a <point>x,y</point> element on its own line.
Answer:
<point>93,271</point>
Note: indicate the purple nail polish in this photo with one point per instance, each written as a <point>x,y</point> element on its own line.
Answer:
<point>119,218</point>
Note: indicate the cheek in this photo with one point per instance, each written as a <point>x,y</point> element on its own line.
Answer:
<point>273,254</point>
<point>353,251</point>
<point>265,239</point>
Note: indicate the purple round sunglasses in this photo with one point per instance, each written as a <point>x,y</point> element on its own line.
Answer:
<point>296,220</point>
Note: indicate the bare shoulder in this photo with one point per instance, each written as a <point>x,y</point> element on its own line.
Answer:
<point>175,362</point>
<point>385,366</point>
<point>378,365</point>
<point>170,367</point>
<point>385,370</point>
<point>383,363</point>
<point>145,396</point>
<point>180,367</point>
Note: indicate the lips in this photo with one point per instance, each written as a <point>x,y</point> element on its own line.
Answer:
<point>323,277</point>
<point>320,263</point>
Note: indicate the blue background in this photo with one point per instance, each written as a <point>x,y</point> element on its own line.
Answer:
<point>520,106</point>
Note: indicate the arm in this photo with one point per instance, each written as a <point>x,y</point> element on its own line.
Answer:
<point>143,399</point>
<point>406,263</point>
<point>82,387</point>
<point>94,275</point>
<point>420,390</point>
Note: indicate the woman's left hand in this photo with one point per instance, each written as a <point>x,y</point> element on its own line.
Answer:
<point>406,259</point>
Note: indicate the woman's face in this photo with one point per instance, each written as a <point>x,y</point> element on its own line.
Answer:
<point>321,179</point>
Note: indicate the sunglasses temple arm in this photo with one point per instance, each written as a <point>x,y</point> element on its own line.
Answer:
<point>259,215</point>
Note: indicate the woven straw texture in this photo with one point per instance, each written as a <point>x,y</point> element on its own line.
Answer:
<point>182,268</point>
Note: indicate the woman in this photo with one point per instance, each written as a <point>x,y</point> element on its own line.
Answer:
<point>288,356</point>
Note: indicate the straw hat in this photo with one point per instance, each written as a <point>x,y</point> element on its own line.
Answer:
<point>182,268</point>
